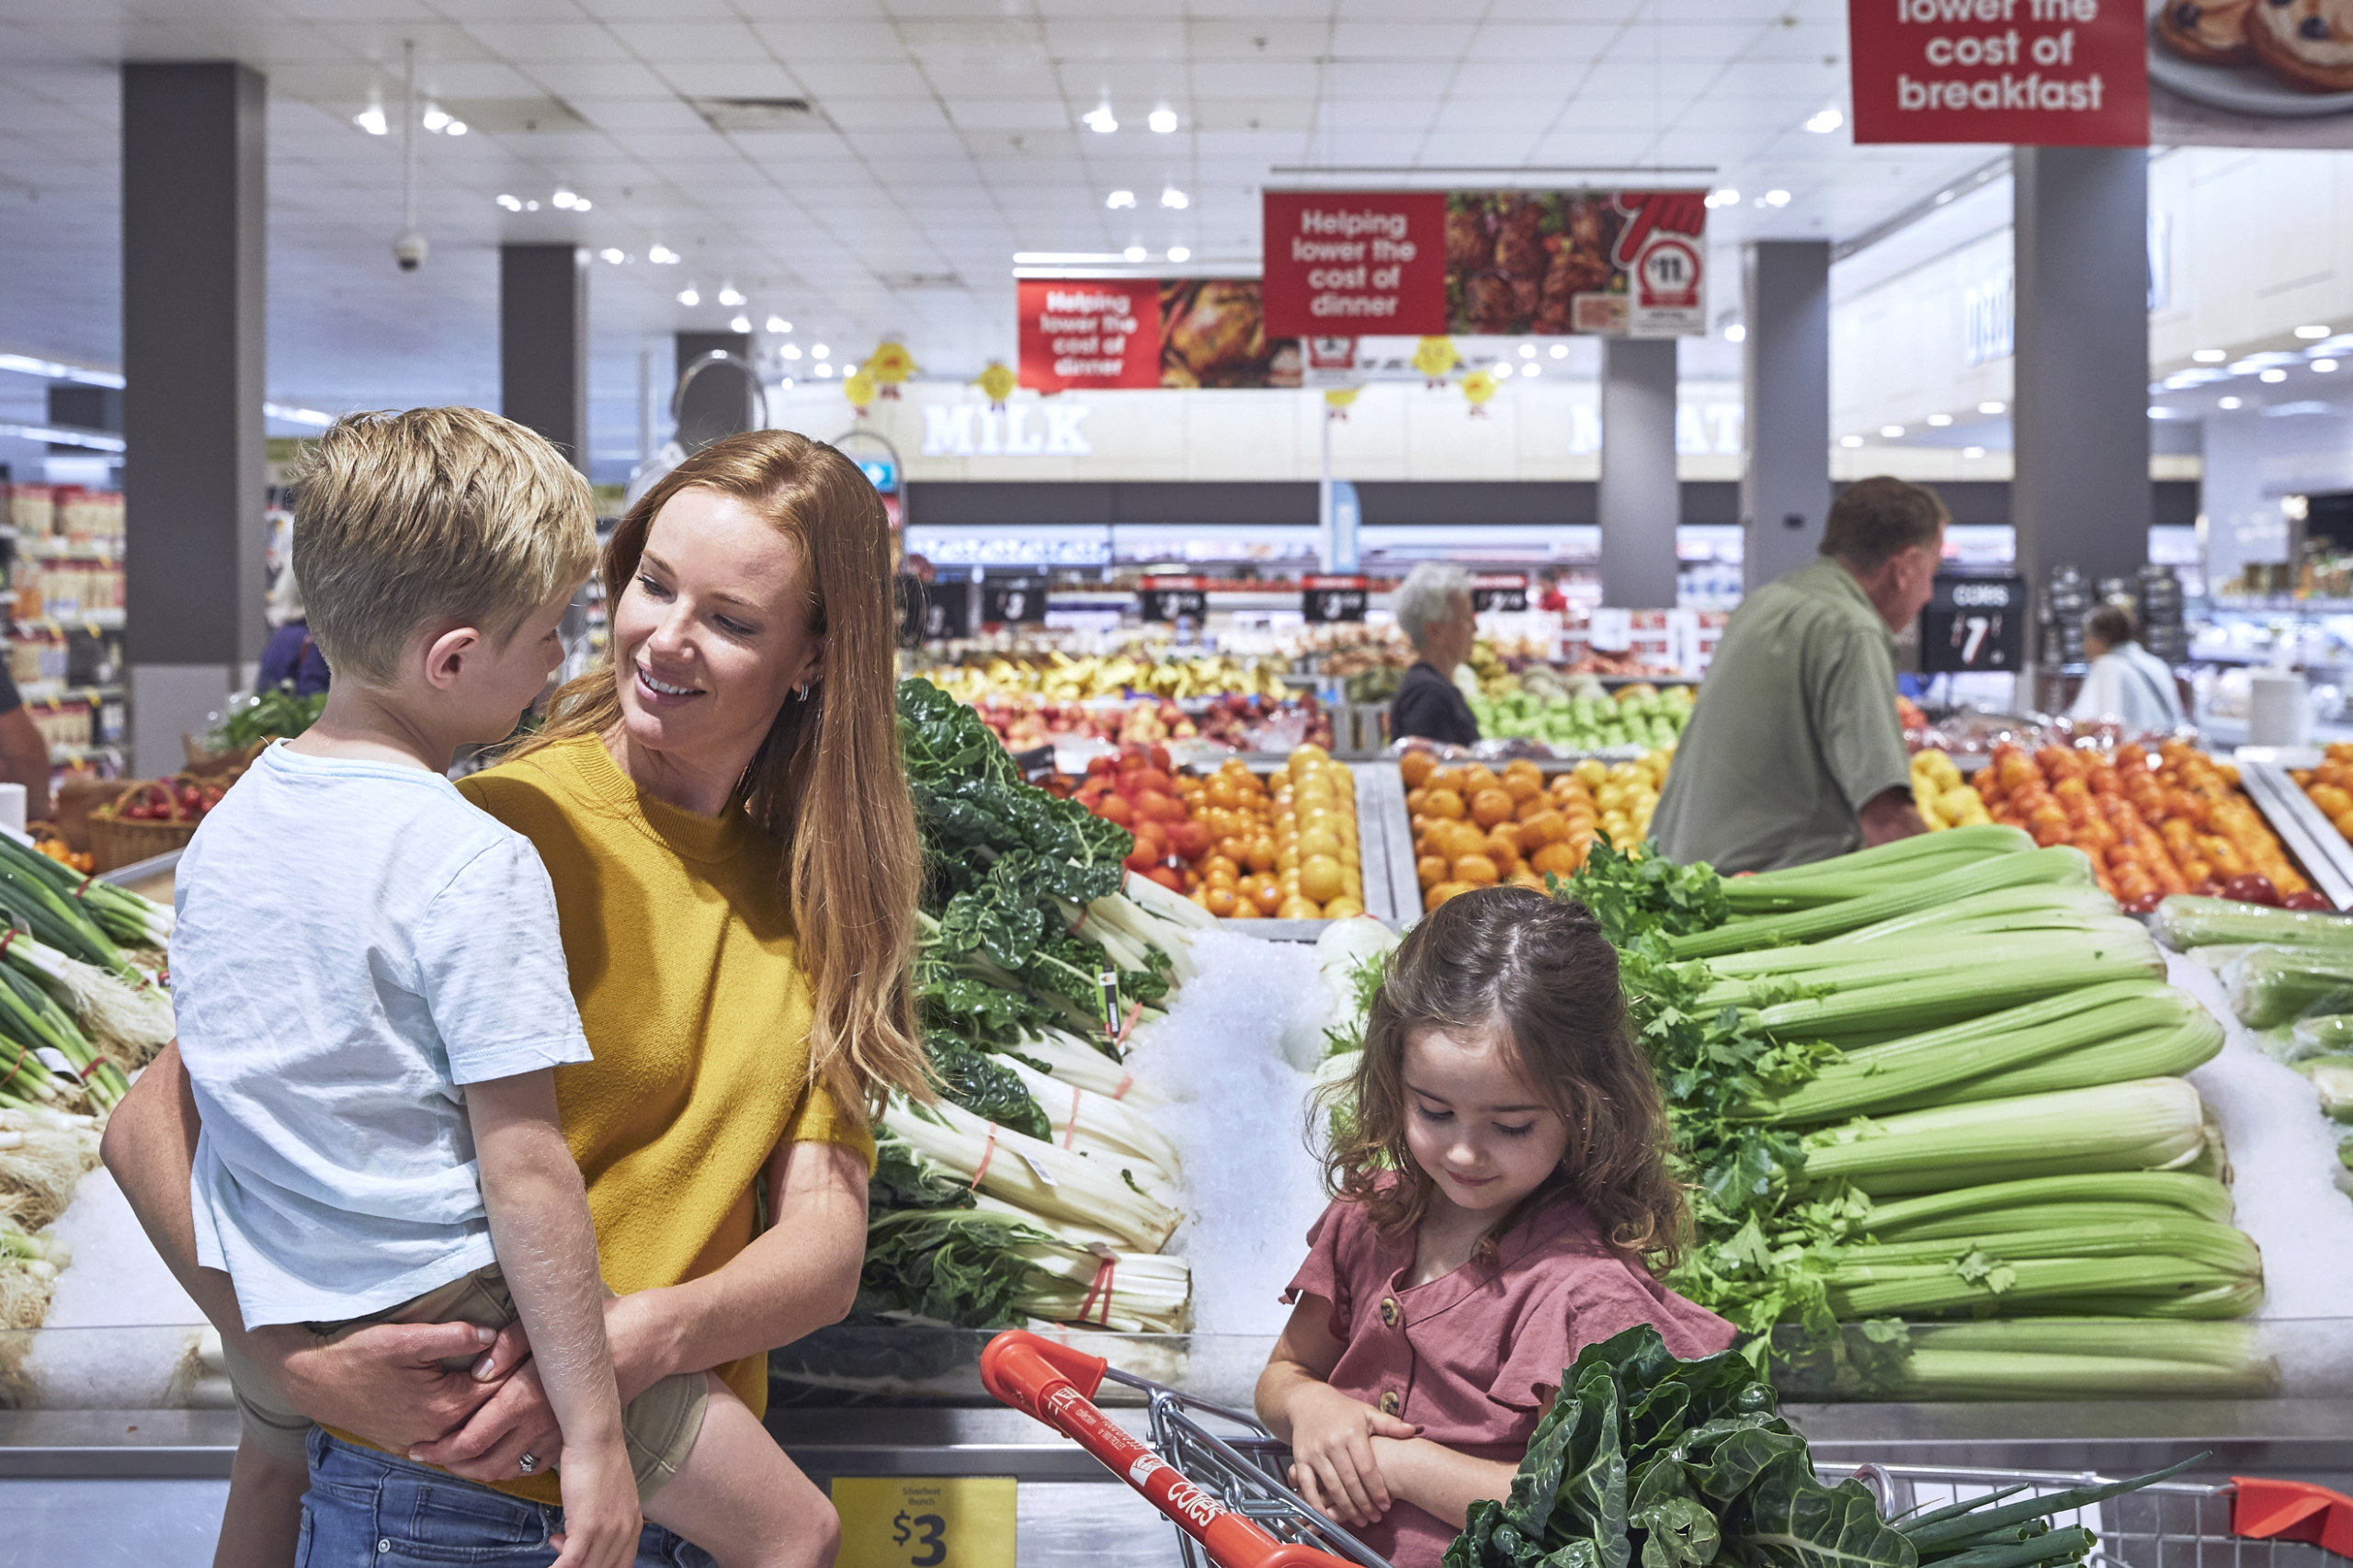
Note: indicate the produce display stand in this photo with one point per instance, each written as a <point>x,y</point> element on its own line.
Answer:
<point>2310,836</point>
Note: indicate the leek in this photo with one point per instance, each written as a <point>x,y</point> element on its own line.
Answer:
<point>2146,1124</point>
<point>2058,865</point>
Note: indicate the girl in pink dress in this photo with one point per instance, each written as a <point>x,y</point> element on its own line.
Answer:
<point>1503,1198</point>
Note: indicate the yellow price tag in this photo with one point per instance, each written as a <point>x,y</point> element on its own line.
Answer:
<point>959,1521</point>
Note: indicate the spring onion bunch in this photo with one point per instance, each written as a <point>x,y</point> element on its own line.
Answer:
<point>1937,1079</point>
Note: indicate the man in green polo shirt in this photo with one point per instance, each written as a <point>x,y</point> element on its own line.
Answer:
<point>1793,754</point>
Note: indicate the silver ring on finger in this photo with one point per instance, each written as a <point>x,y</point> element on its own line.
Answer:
<point>528,1463</point>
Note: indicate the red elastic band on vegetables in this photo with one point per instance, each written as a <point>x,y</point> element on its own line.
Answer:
<point>1127,1081</point>
<point>6,938</point>
<point>988,1152</point>
<point>1104,1271</point>
<point>86,1074</point>
<point>85,884</point>
<point>1136,1011</point>
<point>1070,1131</point>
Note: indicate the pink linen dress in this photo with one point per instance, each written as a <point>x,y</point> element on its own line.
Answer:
<point>1470,1357</point>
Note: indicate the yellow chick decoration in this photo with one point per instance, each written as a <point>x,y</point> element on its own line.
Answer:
<point>1434,357</point>
<point>997,383</point>
<point>1336,402</point>
<point>888,365</point>
<point>1477,388</point>
<point>861,390</point>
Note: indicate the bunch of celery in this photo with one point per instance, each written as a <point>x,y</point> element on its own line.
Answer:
<point>1938,1078</point>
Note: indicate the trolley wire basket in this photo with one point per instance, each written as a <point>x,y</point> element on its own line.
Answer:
<point>1220,1478</point>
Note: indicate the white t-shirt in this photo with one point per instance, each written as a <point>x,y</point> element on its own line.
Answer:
<point>355,943</point>
<point>2131,686</point>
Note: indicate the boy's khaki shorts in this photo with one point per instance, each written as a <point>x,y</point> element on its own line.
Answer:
<point>659,1425</point>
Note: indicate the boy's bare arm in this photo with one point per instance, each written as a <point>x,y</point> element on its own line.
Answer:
<point>547,1248</point>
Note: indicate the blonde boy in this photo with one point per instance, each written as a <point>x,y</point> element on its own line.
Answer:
<point>371,991</point>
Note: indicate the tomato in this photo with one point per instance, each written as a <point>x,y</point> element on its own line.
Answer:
<point>2144,904</point>
<point>2252,888</point>
<point>2307,898</point>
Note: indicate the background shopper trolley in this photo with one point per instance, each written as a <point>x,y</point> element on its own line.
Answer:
<point>1226,1495</point>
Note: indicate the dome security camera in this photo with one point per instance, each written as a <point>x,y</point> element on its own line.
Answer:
<point>409,250</point>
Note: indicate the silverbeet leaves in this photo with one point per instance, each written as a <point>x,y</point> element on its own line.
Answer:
<point>1682,1464</point>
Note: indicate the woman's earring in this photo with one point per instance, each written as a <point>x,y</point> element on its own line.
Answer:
<point>801,691</point>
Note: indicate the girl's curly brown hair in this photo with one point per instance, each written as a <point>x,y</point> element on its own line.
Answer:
<point>1541,973</point>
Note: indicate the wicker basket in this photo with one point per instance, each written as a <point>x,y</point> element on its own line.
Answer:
<point>116,841</point>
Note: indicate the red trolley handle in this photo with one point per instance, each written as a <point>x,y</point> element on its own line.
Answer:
<point>2293,1510</point>
<point>1056,1384</point>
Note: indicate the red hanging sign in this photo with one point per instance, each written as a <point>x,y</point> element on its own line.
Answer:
<point>1350,263</point>
<point>2033,73</point>
<point>1089,335</point>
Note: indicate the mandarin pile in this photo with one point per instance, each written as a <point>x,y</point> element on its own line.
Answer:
<point>1474,827</point>
<point>1282,847</point>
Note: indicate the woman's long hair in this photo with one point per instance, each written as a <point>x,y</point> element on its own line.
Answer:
<point>827,781</point>
<point>1541,974</point>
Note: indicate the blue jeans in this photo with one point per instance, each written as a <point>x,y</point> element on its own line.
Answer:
<point>370,1510</point>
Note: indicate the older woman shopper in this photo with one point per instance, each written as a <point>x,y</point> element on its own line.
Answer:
<point>723,811</point>
<point>1434,612</point>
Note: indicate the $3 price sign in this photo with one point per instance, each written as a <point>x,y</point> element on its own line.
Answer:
<point>926,1522</point>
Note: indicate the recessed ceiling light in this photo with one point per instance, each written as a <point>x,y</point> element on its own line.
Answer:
<point>1163,121</point>
<point>613,255</point>
<point>690,295</point>
<point>2210,356</point>
<point>1180,254</point>
<point>2325,367</point>
<point>1503,370</point>
<point>371,120</point>
<point>1891,430</point>
<point>1560,351</point>
<point>825,370</point>
<point>1991,407</point>
<point>563,198</point>
<point>1972,451</point>
<point>1120,198</point>
<point>436,120</point>
<point>777,323</point>
<point>2158,410</point>
<point>662,256</point>
<point>2229,402</point>
<point>511,203</point>
<point>531,206</point>
<point>2274,376</point>
<point>1527,351</point>
<point>1940,420</point>
<point>850,370</point>
<point>1135,253</point>
<point>1850,440</point>
<point>1724,196</point>
<point>1100,120</point>
<point>1735,333</point>
<point>740,324</point>
<point>1825,121</point>
<point>789,351</point>
<point>2311,332</point>
<point>820,352</point>
<point>1531,369</point>
<point>1170,197</point>
<point>728,295</point>
<point>455,128</point>
<point>581,204</point>
<point>1776,199</point>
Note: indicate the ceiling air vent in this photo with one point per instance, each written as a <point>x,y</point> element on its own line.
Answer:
<point>906,282</point>
<point>730,114</point>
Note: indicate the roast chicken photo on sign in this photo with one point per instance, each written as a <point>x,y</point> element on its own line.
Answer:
<point>1213,333</point>
<point>1517,261</point>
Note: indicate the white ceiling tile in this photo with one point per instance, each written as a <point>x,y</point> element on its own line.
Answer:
<point>1426,41</point>
<point>999,40</point>
<point>659,11</point>
<point>581,83</point>
<point>975,80</point>
<point>1256,39</point>
<point>639,120</point>
<point>528,43</point>
<point>830,40</point>
<point>1127,38</point>
<point>1406,83</point>
<point>474,79</point>
<point>831,79</point>
<point>885,114</point>
<point>1494,115</point>
<point>757,78</point>
<point>664,41</point>
<point>378,40</point>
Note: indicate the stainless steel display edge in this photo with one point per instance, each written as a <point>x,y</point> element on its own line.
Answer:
<point>2289,1438</point>
<point>1381,817</point>
<point>140,870</point>
<point>2310,836</point>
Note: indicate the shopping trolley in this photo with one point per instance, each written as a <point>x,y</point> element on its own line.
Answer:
<point>1225,1490</point>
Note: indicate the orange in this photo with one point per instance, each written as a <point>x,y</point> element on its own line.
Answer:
<point>1270,897</point>
<point>1522,788</point>
<point>1557,858</point>
<point>1219,899</point>
<point>1524,878</point>
<point>1477,869</point>
<point>1262,853</point>
<point>1243,909</point>
<point>1299,909</point>
<point>1490,806</point>
<point>1478,775</point>
<point>1321,879</point>
<point>1221,866</point>
<point>1319,840</point>
<point>1444,803</point>
<point>1417,800</point>
<point>1544,827</point>
<point>1503,851</point>
<point>1415,767</point>
<point>1442,892</point>
<point>1342,908</point>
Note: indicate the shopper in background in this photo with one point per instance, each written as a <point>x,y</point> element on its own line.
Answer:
<point>2127,684</point>
<point>1502,1198</point>
<point>1794,753</point>
<point>24,751</point>
<point>291,655</point>
<point>1434,612</point>
<point>1552,598</point>
<point>724,813</point>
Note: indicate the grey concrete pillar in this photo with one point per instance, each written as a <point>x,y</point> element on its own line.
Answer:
<point>2243,527</point>
<point>719,400</point>
<point>1785,480</point>
<point>543,343</point>
<point>194,343</point>
<point>1638,499</point>
<point>2079,418</point>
